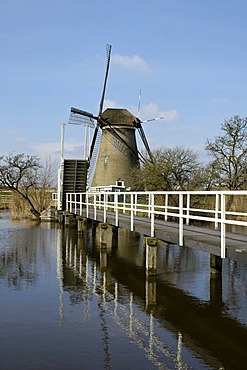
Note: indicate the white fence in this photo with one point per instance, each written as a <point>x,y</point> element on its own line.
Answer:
<point>181,206</point>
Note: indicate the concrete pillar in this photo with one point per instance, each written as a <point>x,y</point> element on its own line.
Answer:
<point>103,234</point>
<point>81,224</point>
<point>103,259</point>
<point>70,220</point>
<point>216,291</point>
<point>151,255</point>
<point>60,216</point>
<point>114,236</point>
<point>80,242</point>
<point>114,231</point>
<point>94,225</point>
<point>215,264</point>
<point>150,291</point>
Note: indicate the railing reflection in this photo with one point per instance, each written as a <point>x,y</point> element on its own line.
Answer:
<point>97,281</point>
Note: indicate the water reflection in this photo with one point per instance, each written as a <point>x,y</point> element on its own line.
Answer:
<point>19,256</point>
<point>191,305</point>
<point>87,274</point>
<point>182,318</point>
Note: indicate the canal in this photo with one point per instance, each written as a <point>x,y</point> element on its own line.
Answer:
<point>67,303</point>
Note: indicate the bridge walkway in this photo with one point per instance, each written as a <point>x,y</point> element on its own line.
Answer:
<point>197,237</point>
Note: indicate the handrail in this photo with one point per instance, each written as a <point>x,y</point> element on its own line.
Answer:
<point>181,205</point>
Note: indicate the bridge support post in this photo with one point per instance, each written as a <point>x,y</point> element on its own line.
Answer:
<point>94,226</point>
<point>103,259</point>
<point>81,242</point>
<point>103,234</point>
<point>114,236</point>
<point>69,220</point>
<point>81,224</point>
<point>150,297</point>
<point>215,264</point>
<point>60,216</point>
<point>151,256</point>
<point>216,291</point>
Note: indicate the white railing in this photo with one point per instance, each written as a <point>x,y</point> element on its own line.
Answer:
<point>183,206</point>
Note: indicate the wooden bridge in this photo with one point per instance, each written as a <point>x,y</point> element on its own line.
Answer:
<point>195,219</point>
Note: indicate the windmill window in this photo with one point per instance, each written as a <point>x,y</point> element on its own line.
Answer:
<point>106,159</point>
<point>120,182</point>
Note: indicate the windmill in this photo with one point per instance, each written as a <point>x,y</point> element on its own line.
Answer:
<point>113,152</point>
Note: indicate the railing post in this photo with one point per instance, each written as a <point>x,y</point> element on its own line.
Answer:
<point>87,197</point>
<point>135,202</point>
<point>149,205</point>
<point>216,224</point>
<point>73,202</point>
<point>152,214</point>
<point>188,210</point>
<point>166,206</point>
<point>94,204</point>
<point>223,226</point>
<point>181,220</point>
<point>124,201</point>
<point>66,202</point>
<point>116,208</point>
<point>105,205</point>
<point>70,204</point>
<point>80,204</point>
<point>131,213</point>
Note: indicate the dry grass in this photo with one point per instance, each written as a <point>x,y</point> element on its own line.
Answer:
<point>41,199</point>
<point>5,199</point>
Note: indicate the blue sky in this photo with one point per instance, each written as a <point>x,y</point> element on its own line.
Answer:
<point>187,57</point>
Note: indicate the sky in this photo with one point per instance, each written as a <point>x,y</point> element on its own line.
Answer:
<point>187,57</point>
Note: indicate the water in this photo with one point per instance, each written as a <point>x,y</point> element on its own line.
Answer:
<point>67,304</point>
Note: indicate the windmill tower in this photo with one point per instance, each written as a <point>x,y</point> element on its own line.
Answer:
<point>116,155</point>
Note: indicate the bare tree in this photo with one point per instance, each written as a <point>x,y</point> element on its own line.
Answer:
<point>46,180</point>
<point>172,169</point>
<point>18,172</point>
<point>229,151</point>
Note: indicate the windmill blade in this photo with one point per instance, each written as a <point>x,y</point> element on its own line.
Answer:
<point>145,142</point>
<point>152,119</point>
<point>100,122</point>
<point>99,118</point>
<point>82,113</point>
<point>121,144</point>
<point>108,55</point>
<point>94,157</point>
<point>93,142</point>
<point>77,118</point>
<point>138,125</point>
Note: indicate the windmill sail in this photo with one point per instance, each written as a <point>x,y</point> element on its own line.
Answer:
<point>108,57</point>
<point>113,151</point>
<point>94,158</point>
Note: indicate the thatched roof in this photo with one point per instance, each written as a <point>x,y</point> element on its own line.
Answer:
<point>119,116</point>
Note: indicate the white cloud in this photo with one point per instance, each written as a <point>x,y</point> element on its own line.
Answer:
<point>134,62</point>
<point>219,100</point>
<point>109,104</point>
<point>42,150</point>
<point>151,111</point>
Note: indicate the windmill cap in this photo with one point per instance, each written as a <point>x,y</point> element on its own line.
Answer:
<point>119,116</point>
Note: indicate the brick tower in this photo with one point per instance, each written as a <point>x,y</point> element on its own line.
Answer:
<point>118,154</point>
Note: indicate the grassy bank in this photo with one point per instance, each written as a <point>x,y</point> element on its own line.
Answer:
<point>41,198</point>
<point>5,199</point>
